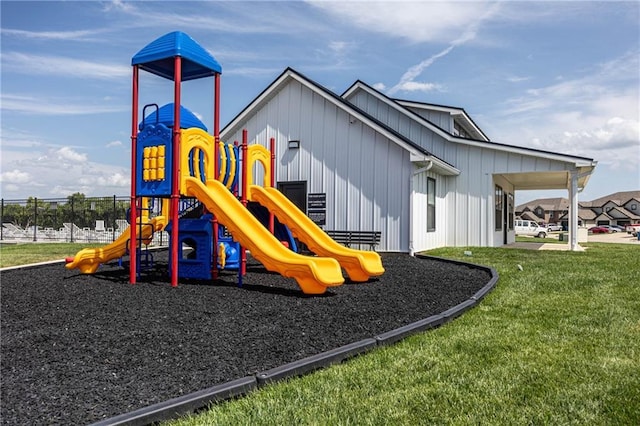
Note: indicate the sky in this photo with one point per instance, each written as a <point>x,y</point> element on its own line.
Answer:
<point>561,76</point>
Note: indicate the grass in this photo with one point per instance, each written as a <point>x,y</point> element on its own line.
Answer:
<point>22,254</point>
<point>557,342</point>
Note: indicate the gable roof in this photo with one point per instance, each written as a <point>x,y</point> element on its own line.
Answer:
<point>578,161</point>
<point>584,214</point>
<point>453,111</point>
<point>547,204</point>
<point>417,153</point>
<point>619,198</point>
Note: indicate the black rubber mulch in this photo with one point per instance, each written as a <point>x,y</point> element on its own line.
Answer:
<point>77,348</point>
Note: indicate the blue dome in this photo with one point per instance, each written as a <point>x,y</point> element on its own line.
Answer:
<point>165,114</point>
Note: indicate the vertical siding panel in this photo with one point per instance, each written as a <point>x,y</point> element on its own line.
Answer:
<point>342,168</point>
<point>333,221</point>
<point>474,225</point>
<point>353,151</point>
<point>293,111</point>
<point>305,135</point>
<point>488,164</point>
<point>367,167</point>
<point>381,183</point>
<point>461,191</point>
<point>316,182</point>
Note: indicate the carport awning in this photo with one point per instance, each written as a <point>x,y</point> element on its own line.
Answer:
<point>548,179</point>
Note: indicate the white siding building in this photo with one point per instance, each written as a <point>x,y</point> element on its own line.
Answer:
<point>424,175</point>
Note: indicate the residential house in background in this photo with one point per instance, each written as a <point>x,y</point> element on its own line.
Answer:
<point>620,208</point>
<point>543,210</point>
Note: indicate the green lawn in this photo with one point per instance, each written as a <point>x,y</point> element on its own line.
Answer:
<point>557,342</point>
<point>22,254</point>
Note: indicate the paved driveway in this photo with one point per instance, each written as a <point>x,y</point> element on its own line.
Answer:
<point>616,237</point>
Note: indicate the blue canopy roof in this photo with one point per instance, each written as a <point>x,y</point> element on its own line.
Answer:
<point>158,57</point>
<point>165,116</point>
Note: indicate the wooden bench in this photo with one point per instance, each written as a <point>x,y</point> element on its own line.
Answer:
<point>372,238</point>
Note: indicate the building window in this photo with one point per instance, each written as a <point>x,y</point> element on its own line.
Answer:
<point>510,210</point>
<point>431,204</point>
<point>498,213</point>
<point>633,206</point>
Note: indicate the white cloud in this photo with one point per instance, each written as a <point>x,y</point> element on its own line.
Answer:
<point>379,86</point>
<point>36,105</point>
<point>517,79</point>
<point>113,144</point>
<point>415,86</point>
<point>595,115</point>
<point>118,5</point>
<point>80,35</point>
<point>68,154</point>
<point>62,66</point>
<point>15,176</point>
<point>459,24</point>
<point>415,21</point>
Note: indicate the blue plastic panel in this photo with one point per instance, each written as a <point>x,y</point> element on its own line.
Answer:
<point>156,185</point>
<point>158,57</point>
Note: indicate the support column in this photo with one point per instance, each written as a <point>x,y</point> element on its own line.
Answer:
<point>133,217</point>
<point>176,249</point>
<point>573,210</point>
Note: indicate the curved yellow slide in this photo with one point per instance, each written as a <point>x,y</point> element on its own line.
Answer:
<point>87,260</point>
<point>359,264</point>
<point>313,274</point>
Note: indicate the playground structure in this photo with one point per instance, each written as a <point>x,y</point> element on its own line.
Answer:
<point>173,158</point>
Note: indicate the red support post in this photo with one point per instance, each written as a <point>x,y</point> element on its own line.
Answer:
<point>272,149</point>
<point>216,153</point>
<point>133,217</point>
<point>245,188</point>
<point>175,182</point>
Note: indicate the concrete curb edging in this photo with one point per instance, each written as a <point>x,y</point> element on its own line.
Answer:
<point>190,403</point>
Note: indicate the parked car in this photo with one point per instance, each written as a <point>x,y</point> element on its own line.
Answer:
<point>531,228</point>
<point>633,229</point>
<point>611,228</point>
<point>599,230</point>
<point>553,227</point>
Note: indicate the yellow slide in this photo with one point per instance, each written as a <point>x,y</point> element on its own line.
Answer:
<point>87,260</point>
<point>359,264</point>
<point>313,274</point>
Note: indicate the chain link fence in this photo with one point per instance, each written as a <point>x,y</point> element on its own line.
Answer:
<point>73,219</point>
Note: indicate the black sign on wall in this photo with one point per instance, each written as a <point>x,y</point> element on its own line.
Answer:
<point>317,208</point>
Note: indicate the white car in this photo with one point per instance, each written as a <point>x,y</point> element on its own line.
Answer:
<point>531,228</point>
<point>554,227</point>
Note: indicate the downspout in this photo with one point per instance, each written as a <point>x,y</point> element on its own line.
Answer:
<point>411,196</point>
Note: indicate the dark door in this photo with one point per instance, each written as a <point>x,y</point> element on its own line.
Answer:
<point>296,192</point>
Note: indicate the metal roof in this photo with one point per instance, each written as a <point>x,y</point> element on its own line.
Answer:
<point>158,57</point>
